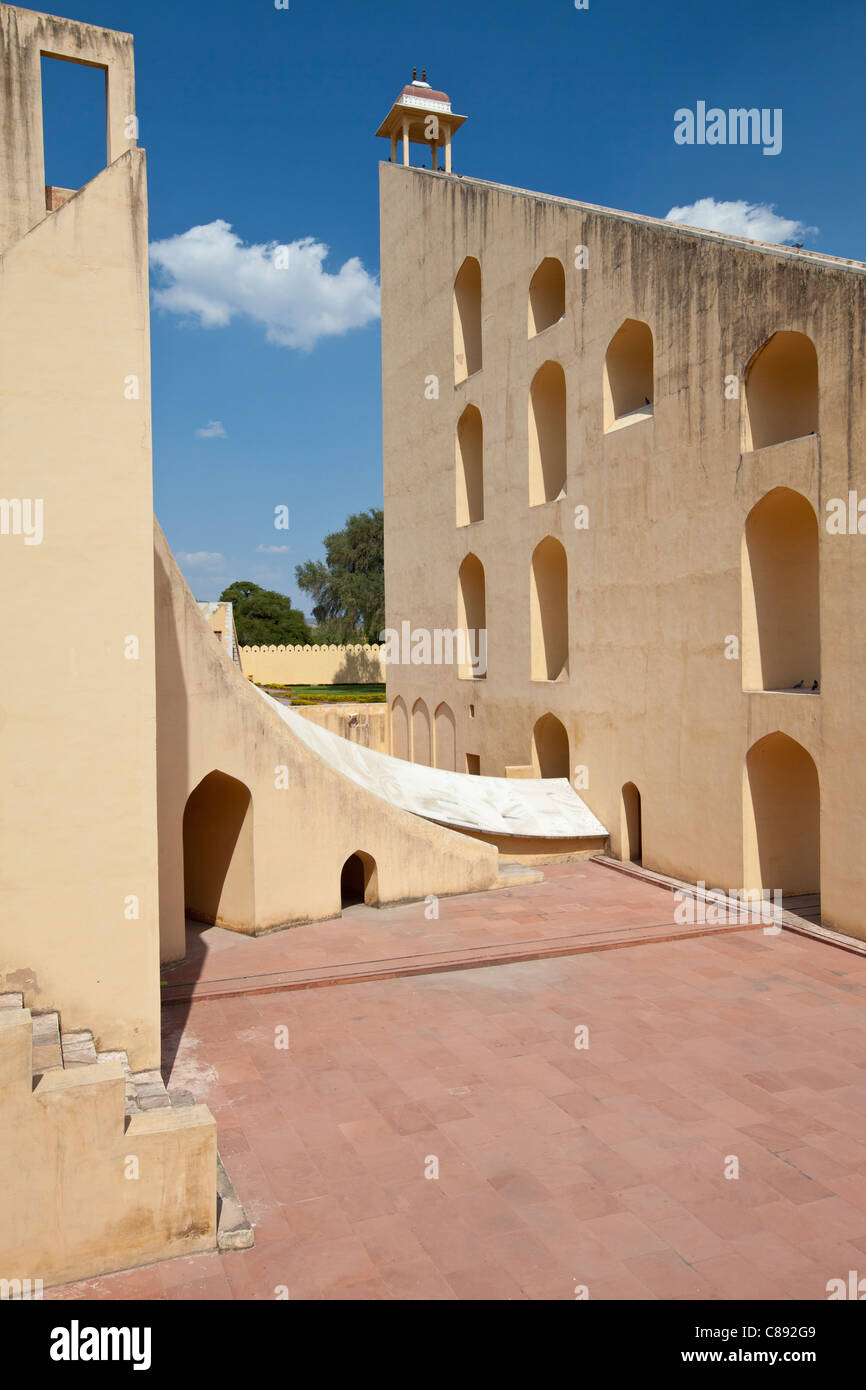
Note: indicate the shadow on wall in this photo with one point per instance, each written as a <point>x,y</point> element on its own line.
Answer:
<point>360,667</point>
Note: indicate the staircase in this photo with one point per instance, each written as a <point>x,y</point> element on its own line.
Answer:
<point>54,1050</point>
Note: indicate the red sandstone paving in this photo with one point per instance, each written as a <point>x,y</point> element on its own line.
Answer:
<point>557,1166</point>
<point>575,900</point>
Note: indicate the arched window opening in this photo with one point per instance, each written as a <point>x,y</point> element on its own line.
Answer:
<point>548,599</point>
<point>467,320</point>
<point>471,620</point>
<point>470,467</point>
<point>628,384</point>
<point>547,431</point>
<point>550,755</point>
<point>546,296</point>
<point>781,391</point>
<point>781,644</point>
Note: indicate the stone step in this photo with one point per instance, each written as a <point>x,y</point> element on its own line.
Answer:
<point>47,1051</point>
<point>11,1001</point>
<point>150,1092</point>
<point>78,1049</point>
<point>123,1059</point>
<point>53,1050</point>
<point>514,875</point>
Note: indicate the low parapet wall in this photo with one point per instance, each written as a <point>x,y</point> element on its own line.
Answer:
<point>331,665</point>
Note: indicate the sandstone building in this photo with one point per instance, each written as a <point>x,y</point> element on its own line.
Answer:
<point>633,452</point>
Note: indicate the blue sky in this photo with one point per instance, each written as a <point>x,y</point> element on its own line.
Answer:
<point>263,119</point>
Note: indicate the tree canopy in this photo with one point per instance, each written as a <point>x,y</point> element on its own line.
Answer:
<point>263,617</point>
<point>348,587</point>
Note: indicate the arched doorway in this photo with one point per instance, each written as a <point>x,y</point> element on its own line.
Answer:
<point>421,734</point>
<point>446,738</point>
<point>631,830</point>
<point>359,880</point>
<point>399,729</point>
<point>218,853</point>
<point>781,818</point>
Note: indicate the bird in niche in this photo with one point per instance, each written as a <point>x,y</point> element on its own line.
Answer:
<point>798,686</point>
<point>815,685</point>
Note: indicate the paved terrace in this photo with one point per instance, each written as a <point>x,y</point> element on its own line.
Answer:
<point>557,1167</point>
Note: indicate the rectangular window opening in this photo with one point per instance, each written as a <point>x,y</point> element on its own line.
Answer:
<point>74,125</point>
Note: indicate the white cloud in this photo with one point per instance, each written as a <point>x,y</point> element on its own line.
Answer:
<point>273,549</point>
<point>214,429</point>
<point>759,221</point>
<point>213,277</point>
<point>201,559</point>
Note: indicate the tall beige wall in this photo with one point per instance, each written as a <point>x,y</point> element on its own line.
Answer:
<point>78,894</point>
<point>327,665</point>
<point>654,580</point>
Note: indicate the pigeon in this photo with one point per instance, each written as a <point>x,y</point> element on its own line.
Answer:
<point>815,685</point>
<point>798,686</point>
<point>646,400</point>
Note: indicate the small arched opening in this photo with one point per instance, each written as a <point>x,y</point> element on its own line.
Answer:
<point>631,829</point>
<point>359,880</point>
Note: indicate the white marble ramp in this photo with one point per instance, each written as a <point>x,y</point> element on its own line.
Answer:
<point>538,808</point>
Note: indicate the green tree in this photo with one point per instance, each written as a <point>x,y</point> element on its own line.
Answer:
<point>348,587</point>
<point>263,617</point>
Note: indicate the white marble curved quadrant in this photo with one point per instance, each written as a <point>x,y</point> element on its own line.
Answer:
<point>541,808</point>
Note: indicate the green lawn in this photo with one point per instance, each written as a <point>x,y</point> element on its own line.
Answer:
<point>333,694</point>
